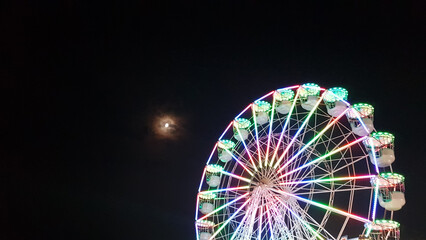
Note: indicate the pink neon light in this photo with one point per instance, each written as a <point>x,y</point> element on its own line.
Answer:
<point>211,154</point>
<point>245,109</point>
<point>196,208</point>
<point>247,150</point>
<point>322,157</point>
<point>285,126</point>
<point>204,173</point>
<point>265,96</point>
<point>295,86</point>
<point>236,176</point>
<point>227,128</point>
<point>328,180</point>
<point>315,138</point>
<point>298,132</point>
<point>223,206</point>
<point>229,219</point>
<point>320,205</point>
<point>239,162</point>
<point>300,219</point>
<point>225,189</point>
<point>260,223</point>
<point>257,137</point>
<point>269,221</point>
<point>202,178</point>
<point>269,132</point>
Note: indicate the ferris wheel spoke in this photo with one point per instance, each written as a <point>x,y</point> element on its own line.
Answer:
<point>270,131</point>
<point>259,235</point>
<point>337,182</point>
<point>311,172</point>
<point>270,223</point>
<point>278,215</point>
<point>323,206</point>
<point>334,190</point>
<point>285,126</point>
<point>223,206</point>
<point>297,231</point>
<point>313,221</point>
<point>336,186</point>
<point>240,230</point>
<point>239,226</point>
<point>376,192</point>
<point>253,208</point>
<point>298,131</point>
<point>348,163</point>
<point>256,136</point>
<point>271,123</point>
<point>228,220</point>
<point>283,228</point>
<point>294,214</point>
<point>235,176</point>
<point>332,172</point>
<point>328,180</point>
<point>208,161</point>
<point>325,141</point>
<point>333,136</point>
<point>247,150</point>
<point>309,156</point>
<point>314,139</point>
<point>322,157</point>
<point>351,184</point>
<point>307,231</point>
<point>225,189</point>
<point>239,162</point>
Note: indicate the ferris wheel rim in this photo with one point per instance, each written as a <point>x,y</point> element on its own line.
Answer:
<point>251,168</point>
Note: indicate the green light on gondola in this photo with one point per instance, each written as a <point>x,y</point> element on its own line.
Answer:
<point>310,89</point>
<point>284,95</point>
<point>226,144</point>
<point>261,106</point>
<point>336,94</point>
<point>242,123</point>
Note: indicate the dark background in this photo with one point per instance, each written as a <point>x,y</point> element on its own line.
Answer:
<point>83,82</point>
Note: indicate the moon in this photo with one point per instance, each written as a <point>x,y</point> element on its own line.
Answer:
<point>167,126</point>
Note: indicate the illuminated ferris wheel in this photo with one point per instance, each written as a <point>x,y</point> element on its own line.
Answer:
<point>300,163</point>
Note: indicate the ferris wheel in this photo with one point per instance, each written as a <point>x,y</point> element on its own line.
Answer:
<point>300,163</point>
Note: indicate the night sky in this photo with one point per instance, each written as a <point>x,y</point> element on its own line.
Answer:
<point>84,84</point>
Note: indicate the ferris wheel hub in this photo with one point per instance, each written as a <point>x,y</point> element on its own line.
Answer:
<point>266,181</point>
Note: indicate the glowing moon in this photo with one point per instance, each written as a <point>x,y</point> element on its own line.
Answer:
<point>167,126</point>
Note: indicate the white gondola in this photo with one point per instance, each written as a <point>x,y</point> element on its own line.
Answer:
<point>391,191</point>
<point>383,144</point>
<point>213,174</point>
<point>225,149</point>
<point>206,202</point>
<point>396,202</point>
<point>205,229</point>
<point>361,117</point>
<point>283,100</point>
<point>335,101</point>
<point>261,109</point>
<point>241,128</point>
<point>309,95</point>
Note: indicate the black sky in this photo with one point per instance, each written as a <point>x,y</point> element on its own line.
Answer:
<point>82,82</point>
